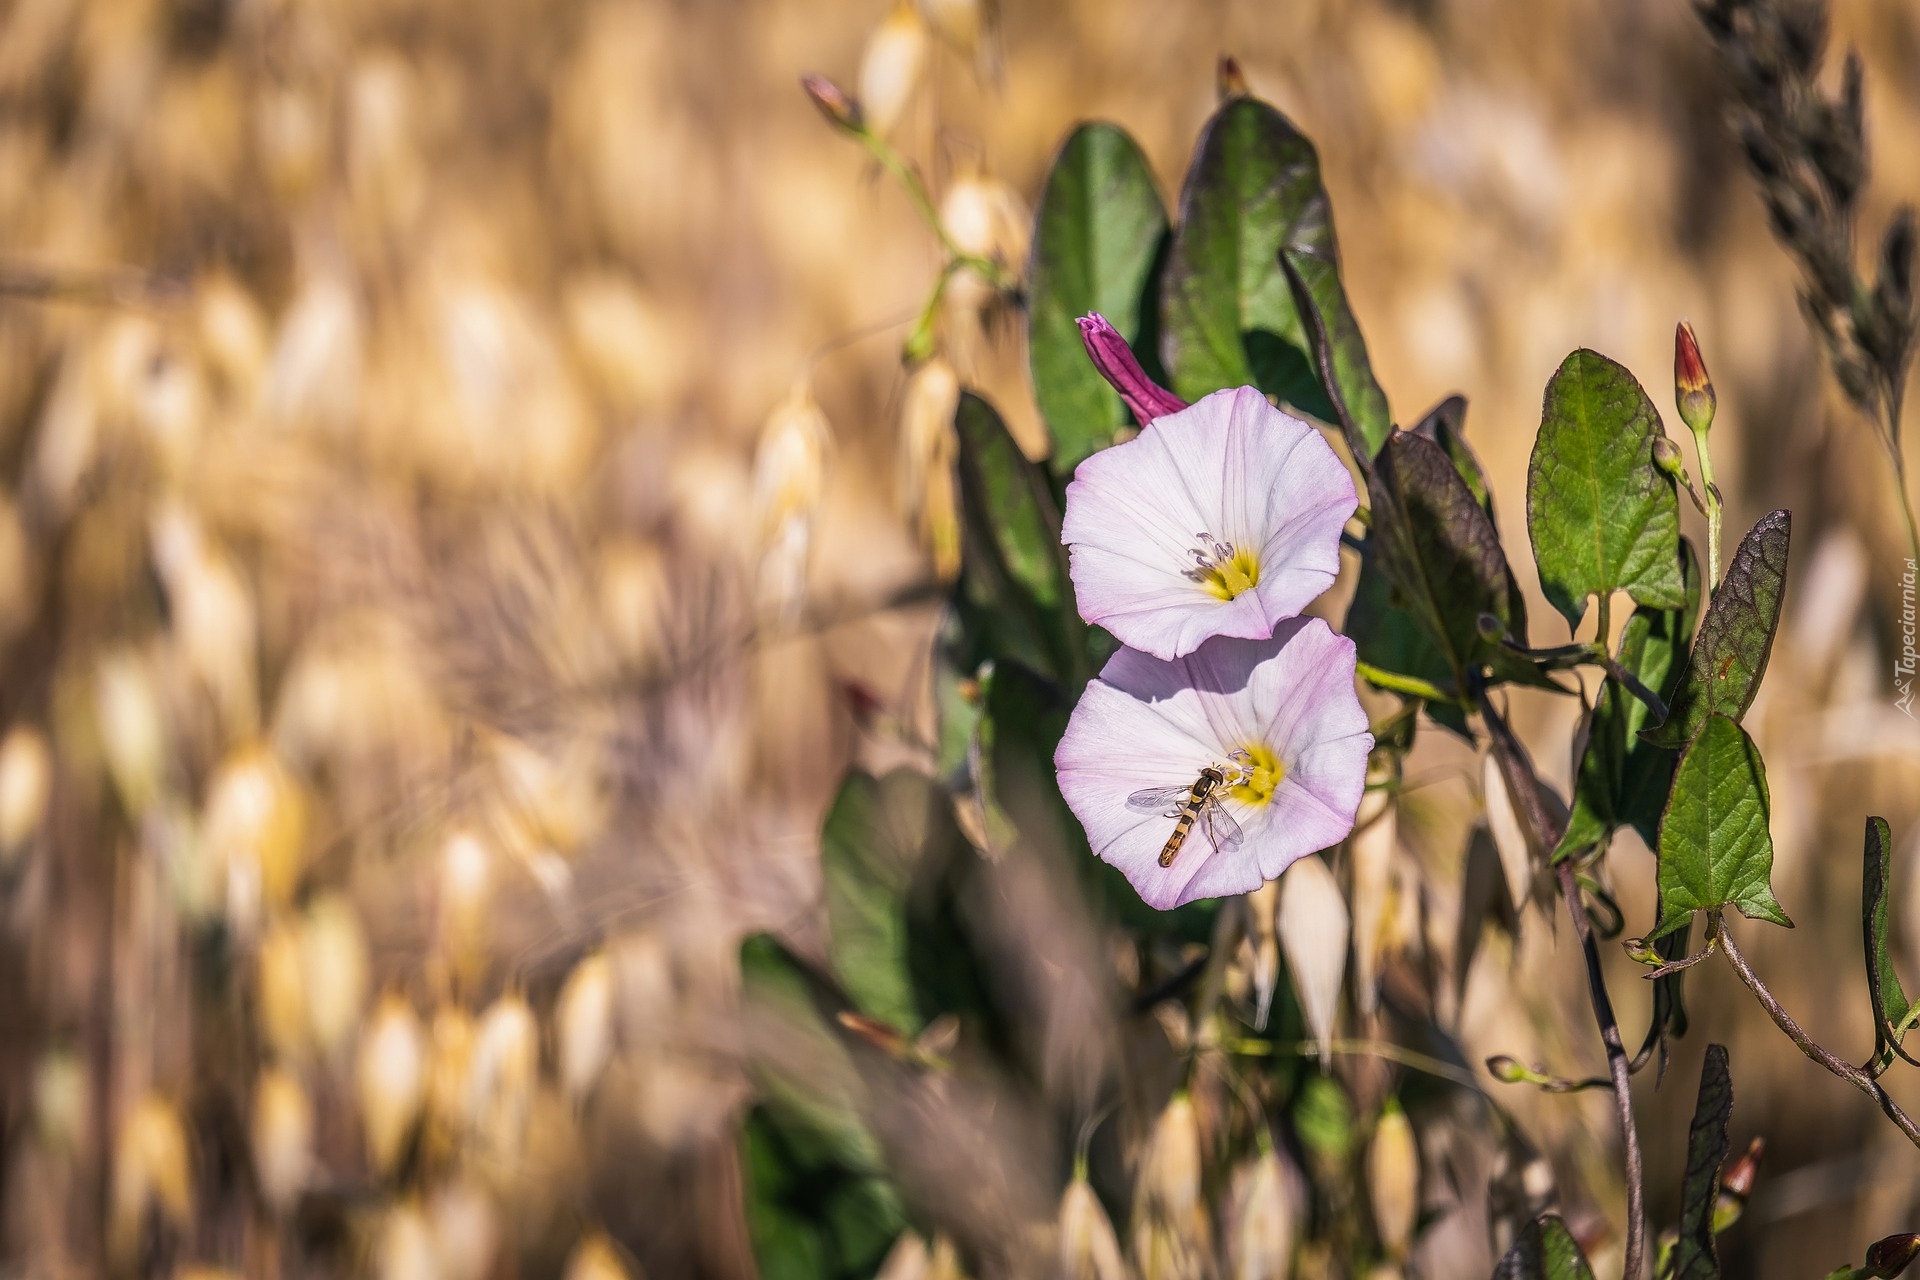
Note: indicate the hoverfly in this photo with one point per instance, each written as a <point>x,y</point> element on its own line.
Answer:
<point>1196,801</point>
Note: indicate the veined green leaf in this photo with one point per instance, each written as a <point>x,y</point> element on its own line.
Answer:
<point>1096,237</point>
<point>1623,781</point>
<point>1695,1255</point>
<point>1339,352</point>
<point>1545,1250</point>
<point>1601,516</point>
<point>1438,548</point>
<point>1014,595</point>
<point>876,836</point>
<point>1736,638</point>
<point>1891,1008</point>
<point>1715,848</point>
<point>1228,316</point>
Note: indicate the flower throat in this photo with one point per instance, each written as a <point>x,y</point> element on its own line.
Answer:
<point>1221,568</point>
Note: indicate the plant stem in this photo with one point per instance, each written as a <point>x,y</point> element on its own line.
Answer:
<point>1906,503</point>
<point>1413,686</point>
<point>1712,492</point>
<point>1853,1075</point>
<point>1524,786</point>
<point>891,161</point>
<point>1619,1070</point>
<point>1357,1048</point>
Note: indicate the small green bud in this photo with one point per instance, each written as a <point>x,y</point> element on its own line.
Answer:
<point>1641,952</point>
<point>1490,627</point>
<point>1506,1070</point>
<point>1666,456</point>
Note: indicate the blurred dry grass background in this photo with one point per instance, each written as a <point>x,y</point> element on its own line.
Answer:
<point>392,722</point>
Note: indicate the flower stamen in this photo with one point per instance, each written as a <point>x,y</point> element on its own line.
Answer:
<point>1258,774</point>
<point>1220,567</point>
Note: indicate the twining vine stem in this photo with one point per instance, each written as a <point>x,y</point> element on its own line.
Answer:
<point>1524,787</point>
<point>1853,1075</point>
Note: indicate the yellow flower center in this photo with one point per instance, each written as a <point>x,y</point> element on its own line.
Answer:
<point>1260,774</point>
<point>1223,569</point>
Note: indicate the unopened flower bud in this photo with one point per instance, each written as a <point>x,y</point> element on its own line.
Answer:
<point>790,477</point>
<point>466,898</point>
<point>152,1171</point>
<point>391,1078</point>
<point>1667,457</point>
<point>255,831</point>
<point>404,1249</point>
<point>282,1138</point>
<point>132,730</point>
<point>1692,388</point>
<point>583,1024</point>
<point>26,777</point>
<point>928,451</point>
<point>280,991</point>
<point>595,1258</point>
<point>1393,1180</point>
<point>1739,1177</point>
<point>840,109</point>
<point>1170,1234</point>
<point>890,68</point>
<point>1260,1240</point>
<point>1640,951</point>
<point>1314,926</point>
<point>466,1231</point>
<point>62,1100</point>
<point>1115,360</point>
<point>504,1070</point>
<point>1889,1257</point>
<point>333,959</point>
<point>1736,1185</point>
<point>1230,80</point>
<point>1089,1249</point>
<point>1507,1070</point>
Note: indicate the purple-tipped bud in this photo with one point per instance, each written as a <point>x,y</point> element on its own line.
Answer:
<point>1114,359</point>
<point>840,108</point>
<point>1888,1258</point>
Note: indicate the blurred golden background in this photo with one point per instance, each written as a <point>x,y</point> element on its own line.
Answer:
<point>454,463</point>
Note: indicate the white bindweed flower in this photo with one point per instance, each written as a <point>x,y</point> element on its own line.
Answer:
<point>1220,519</point>
<point>1255,749</point>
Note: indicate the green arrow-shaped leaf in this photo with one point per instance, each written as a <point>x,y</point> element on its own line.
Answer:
<point>1601,516</point>
<point>1694,1252</point>
<point>1715,848</point>
<point>878,835</point>
<point>1437,547</point>
<point>1014,594</point>
<point>1891,1008</point>
<point>1730,657</point>
<point>1622,780</point>
<point>1544,1250</point>
<point>1228,317</point>
<point>1096,237</point>
<point>1339,352</point>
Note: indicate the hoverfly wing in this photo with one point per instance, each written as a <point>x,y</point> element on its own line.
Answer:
<point>1156,800</point>
<point>1222,830</point>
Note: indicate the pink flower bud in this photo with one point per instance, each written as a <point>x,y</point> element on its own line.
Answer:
<point>1114,359</point>
<point>836,104</point>
<point>1692,388</point>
